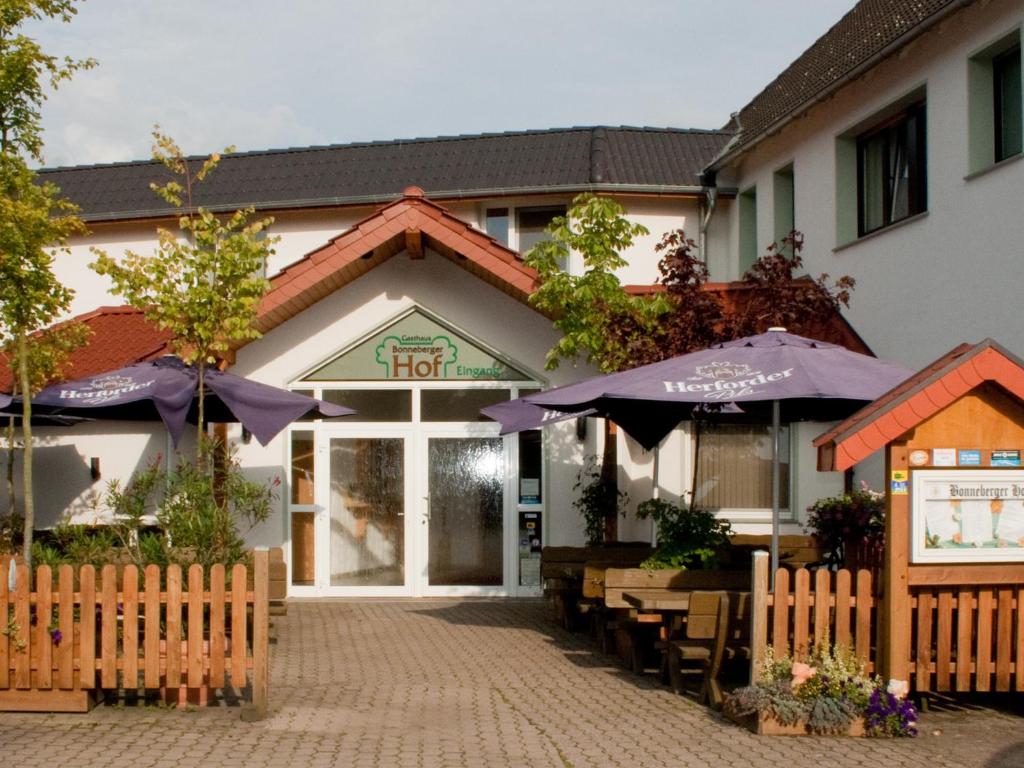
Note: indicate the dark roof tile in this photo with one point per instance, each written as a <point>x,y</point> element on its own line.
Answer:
<point>868,30</point>
<point>445,167</point>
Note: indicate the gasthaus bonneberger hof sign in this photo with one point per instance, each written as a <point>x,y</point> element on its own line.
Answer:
<point>416,347</point>
<point>971,516</point>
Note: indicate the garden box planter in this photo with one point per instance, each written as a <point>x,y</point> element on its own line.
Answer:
<point>766,725</point>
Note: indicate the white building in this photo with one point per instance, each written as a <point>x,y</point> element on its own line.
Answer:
<point>410,241</point>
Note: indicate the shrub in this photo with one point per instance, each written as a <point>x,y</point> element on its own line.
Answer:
<point>199,517</point>
<point>598,501</point>
<point>848,521</point>
<point>687,537</point>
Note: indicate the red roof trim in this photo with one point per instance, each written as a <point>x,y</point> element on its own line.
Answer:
<point>339,261</point>
<point>919,398</point>
<point>121,336</point>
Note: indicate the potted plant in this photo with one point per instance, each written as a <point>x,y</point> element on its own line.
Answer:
<point>688,537</point>
<point>598,501</point>
<point>850,527</point>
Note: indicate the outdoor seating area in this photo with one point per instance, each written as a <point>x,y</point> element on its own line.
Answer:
<point>658,621</point>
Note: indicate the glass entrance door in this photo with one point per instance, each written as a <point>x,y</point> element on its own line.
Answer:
<point>366,514</point>
<point>465,514</point>
<point>412,511</point>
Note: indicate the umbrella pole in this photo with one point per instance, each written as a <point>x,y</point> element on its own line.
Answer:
<point>775,489</point>
<point>655,492</point>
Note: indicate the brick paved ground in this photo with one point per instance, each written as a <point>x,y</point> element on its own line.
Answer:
<point>467,683</point>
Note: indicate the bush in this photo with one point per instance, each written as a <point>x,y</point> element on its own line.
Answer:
<point>75,544</point>
<point>598,500</point>
<point>200,517</point>
<point>842,523</point>
<point>687,537</point>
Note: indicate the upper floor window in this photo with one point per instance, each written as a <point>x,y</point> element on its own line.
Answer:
<point>891,171</point>
<point>994,103</point>
<point>532,223</point>
<point>748,229</point>
<point>1007,103</point>
<point>496,224</point>
<point>520,228</point>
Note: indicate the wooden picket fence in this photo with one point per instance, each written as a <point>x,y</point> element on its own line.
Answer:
<point>62,641</point>
<point>808,608</point>
<point>968,637</point>
<point>964,636</point>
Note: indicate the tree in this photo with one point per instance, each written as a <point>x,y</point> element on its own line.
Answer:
<point>33,217</point>
<point>204,282</point>
<point>588,308</point>
<point>592,309</point>
<point>49,353</point>
<point>778,295</point>
<point>771,293</point>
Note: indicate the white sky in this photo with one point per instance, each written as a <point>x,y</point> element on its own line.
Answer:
<point>262,74</point>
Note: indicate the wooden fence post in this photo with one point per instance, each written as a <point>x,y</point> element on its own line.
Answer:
<point>896,615</point>
<point>758,614</point>
<point>260,632</point>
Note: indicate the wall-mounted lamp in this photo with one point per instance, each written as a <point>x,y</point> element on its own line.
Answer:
<point>246,436</point>
<point>581,428</point>
<point>94,468</point>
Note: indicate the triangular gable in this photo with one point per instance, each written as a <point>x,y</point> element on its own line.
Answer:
<point>917,399</point>
<point>409,224</point>
<point>416,346</point>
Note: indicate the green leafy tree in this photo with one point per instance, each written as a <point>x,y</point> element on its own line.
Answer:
<point>588,307</point>
<point>34,220</point>
<point>591,308</point>
<point>204,282</point>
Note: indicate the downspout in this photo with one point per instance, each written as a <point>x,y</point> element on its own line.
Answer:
<point>709,201</point>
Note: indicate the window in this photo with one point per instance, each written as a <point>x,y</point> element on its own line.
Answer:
<point>734,467</point>
<point>1006,102</point>
<point>994,103</point>
<point>783,203</point>
<point>531,224</point>
<point>891,171</point>
<point>496,224</point>
<point>748,229</point>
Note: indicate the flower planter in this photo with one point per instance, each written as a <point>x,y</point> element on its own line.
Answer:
<point>766,725</point>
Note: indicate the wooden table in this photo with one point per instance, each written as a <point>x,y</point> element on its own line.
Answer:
<point>660,607</point>
<point>658,599</point>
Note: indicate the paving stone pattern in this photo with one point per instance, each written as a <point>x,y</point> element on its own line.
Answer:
<point>468,683</point>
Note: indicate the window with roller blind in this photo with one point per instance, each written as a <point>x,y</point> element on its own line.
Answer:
<point>734,470</point>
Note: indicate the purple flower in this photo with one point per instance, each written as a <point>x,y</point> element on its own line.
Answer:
<point>55,635</point>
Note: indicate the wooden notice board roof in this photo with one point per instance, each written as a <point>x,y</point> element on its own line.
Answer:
<point>920,397</point>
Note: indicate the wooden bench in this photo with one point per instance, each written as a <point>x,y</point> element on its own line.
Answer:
<point>717,629</point>
<point>563,569</point>
<point>639,636</point>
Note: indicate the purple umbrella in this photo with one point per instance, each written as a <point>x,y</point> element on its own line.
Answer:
<point>808,379</point>
<point>520,415</point>
<point>168,389</point>
<point>5,400</point>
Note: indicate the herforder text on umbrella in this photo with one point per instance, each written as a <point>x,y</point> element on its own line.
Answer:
<point>725,389</point>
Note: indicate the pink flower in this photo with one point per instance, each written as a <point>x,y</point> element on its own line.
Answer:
<point>802,673</point>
